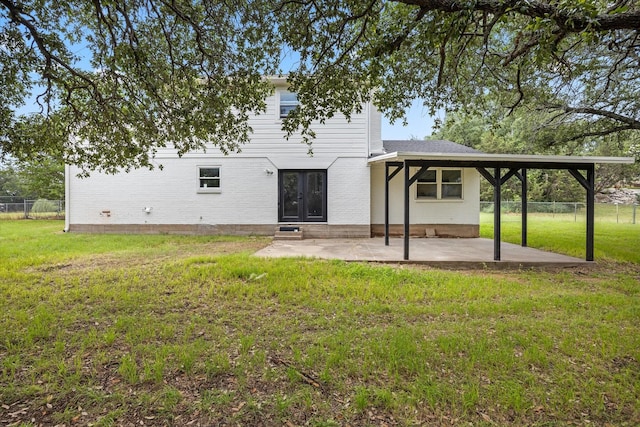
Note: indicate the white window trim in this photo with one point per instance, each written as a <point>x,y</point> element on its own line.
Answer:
<point>278,100</point>
<point>439,183</point>
<point>208,190</point>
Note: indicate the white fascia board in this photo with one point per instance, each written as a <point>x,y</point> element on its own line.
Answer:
<point>517,158</point>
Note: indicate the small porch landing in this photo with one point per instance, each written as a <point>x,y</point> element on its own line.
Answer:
<point>447,253</point>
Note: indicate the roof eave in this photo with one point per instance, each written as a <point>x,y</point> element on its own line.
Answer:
<point>511,158</point>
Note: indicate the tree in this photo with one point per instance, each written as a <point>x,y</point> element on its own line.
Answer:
<point>41,178</point>
<point>521,133</point>
<point>180,72</point>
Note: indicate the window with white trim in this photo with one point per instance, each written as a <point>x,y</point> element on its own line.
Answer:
<point>439,184</point>
<point>288,102</point>
<point>208,179</point>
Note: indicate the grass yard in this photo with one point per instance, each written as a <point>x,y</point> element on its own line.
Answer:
<point>613,242</point>
<point>110,330</point>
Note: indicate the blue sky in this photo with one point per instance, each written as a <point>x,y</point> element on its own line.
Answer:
<point>419,124</point>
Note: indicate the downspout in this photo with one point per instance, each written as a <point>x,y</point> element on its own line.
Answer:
<point>67,197</point>
<point>368,153</point>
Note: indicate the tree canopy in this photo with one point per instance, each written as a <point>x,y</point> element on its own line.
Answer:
<point>117,79</point>
<point>520,133</point>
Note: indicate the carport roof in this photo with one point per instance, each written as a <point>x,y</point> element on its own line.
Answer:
<point>506,159</point>
<point>422,154</point>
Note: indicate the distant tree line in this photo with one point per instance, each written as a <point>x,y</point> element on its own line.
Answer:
<point>522,132</point>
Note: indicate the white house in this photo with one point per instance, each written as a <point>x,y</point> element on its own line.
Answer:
<point>274,183</point>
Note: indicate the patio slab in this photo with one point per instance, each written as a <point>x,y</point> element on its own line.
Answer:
<point>449,253</point>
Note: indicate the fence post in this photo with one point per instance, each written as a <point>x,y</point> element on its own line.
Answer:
<point>617,213</point>
<point>633,221</point>
<point>26,213</point>
<point>575,212</point>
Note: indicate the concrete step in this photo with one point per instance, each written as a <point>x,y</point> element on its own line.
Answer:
<point>288,233</point>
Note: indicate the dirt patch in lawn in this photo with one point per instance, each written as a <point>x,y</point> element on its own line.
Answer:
<point>155,256</point>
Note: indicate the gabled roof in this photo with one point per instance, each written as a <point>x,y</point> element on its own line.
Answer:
<point>424,146</point>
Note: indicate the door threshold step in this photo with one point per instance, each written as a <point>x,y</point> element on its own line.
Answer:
<point>288,233</point>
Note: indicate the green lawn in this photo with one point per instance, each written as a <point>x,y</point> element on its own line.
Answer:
<point>613,242</point>
<point>173,330</point>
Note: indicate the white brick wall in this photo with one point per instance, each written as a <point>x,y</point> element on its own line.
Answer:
<point>348,192</point>
<point>248,194</point>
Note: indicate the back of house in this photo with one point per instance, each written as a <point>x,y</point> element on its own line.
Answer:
<point>274,184</point>
<point>271,182</point>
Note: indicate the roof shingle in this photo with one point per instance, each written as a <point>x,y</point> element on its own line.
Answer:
<point>420,146</point>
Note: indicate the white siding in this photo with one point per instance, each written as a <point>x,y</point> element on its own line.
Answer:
<point>465,211</point>
<point>337,137</point>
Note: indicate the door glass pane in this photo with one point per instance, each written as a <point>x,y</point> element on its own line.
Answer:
<point>290,194</point>
<point>315,194</point>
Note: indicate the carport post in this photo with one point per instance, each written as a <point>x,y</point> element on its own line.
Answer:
<point>386,204</point>
<point>406,211</point>
<point>525,208</point>
<point>591,195</point>
<point>496,214</point>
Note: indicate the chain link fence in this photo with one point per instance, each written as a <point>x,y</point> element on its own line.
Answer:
<point>33,209</point>
<point>562,211</point>
<point>568,211</point>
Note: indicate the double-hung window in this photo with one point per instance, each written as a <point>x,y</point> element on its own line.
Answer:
<point>439,184</point>
<point>208,179</point>
<point>288,103</point>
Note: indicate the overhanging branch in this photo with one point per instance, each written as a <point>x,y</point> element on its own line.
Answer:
<point>571,22</point>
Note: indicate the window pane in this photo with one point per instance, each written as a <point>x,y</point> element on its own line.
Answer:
<point>288,97</point>
<point>210,183</point>
<point>428,176</point>
<point>286,109</point>
<point>288,102</point>
<point>209,172</point>
<point>427,191</point>
<point>452,191</point>
<point>451,176</point>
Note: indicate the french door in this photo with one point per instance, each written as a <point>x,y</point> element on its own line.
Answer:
<point>302,195</point>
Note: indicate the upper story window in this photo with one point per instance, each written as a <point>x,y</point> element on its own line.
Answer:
<point>439,184</point>
<point>208,179</point>
<point>288,102</point>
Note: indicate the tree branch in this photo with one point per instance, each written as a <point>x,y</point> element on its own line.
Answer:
<point>630,122</point>
<point>571,22</point>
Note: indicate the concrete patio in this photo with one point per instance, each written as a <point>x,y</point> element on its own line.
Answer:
<point>448,253</point>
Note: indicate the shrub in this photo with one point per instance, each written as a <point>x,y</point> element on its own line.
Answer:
<point>44,205</point>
